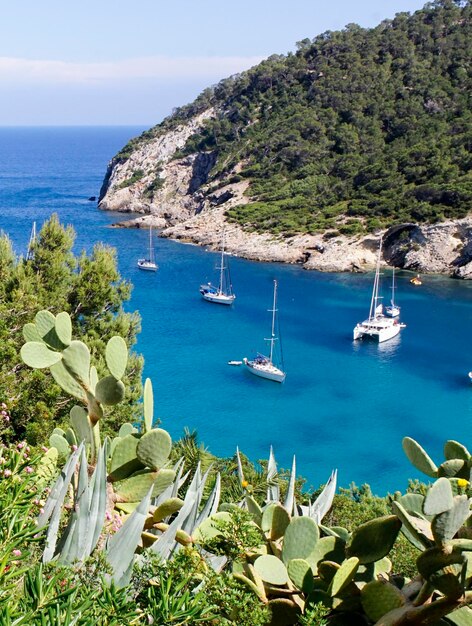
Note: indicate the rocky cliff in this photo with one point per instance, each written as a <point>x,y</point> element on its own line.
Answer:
<point>184,207</point>
<point>306,157</point>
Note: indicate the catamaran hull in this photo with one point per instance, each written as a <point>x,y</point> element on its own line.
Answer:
<point>361,332</point>
<point>269,374</point>
<point>218,298</point>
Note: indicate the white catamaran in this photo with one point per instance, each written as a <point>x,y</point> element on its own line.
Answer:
<point>223,293</point>
<point>377,326</point>
<point>393,310</point>
<point>262,365</point>
<point>149,265</point>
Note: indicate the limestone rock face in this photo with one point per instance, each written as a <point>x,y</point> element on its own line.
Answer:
<point>173,195</point>
<point>130,186</point>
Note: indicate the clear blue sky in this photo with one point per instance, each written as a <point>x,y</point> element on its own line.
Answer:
<point>122,62</point>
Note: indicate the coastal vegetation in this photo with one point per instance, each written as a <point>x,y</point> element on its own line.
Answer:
<point>87,287</point>
<point>358,129</point>
<point>114,523</point>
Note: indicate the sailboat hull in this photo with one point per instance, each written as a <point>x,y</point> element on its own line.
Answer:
<point>146,265</point>
<point>392,311</point>
<point>217,297</point>
<point>377,330</point>
<point>267,371</point>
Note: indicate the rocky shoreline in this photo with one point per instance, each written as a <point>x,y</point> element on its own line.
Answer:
<point>444,248</point>
<point>173,195</point>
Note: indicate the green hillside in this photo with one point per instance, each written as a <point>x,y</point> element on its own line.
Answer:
<point>358,129</point>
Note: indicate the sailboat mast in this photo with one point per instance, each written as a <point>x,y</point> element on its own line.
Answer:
<point>32,241</point>
<point>151,251</point>
<point>393,287</point>
<point>222,266</point>
<point>375,290</point>
<point>274,309</point>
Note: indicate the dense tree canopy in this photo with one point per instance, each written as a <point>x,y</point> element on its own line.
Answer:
<point>91,290</point>
<point>359,128</point>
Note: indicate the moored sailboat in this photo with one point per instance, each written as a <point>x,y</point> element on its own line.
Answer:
<point>393,310</point>
<point>149,264</point>
<point>265,366</point>
<point>223,292</point>
<point>377,326</point>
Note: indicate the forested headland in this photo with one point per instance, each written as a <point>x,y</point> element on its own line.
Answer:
<point>358,129</point>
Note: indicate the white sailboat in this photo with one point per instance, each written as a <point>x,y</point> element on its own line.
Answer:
<point>393,310</point>
<point>148,265</point>
<point>32,241</point>
<point>262,365</point>
<point>377,326</point>
<point>223,292</point>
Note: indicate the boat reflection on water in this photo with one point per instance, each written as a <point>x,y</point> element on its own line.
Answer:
<point>386,350</point>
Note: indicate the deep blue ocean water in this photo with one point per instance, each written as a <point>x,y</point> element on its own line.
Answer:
<point>344,405</point>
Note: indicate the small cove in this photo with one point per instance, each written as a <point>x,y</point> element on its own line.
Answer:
<point>344,405</point>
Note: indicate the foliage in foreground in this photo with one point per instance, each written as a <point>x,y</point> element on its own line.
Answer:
<point>91,290</point>
<point>126,538</point>
<point>184,589</point>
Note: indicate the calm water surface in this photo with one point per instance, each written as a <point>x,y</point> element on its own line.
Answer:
<point>343,405</point>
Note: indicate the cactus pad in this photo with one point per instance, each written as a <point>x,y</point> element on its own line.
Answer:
<point>445,525</point>
<point>126,429</point>
<point>93,378</point>
<point>301,574</point>
<point>374,540</point>
<point>81,424</point>
<point>419,457</point>
<point>47,466</point>
<point>30,333</point>
<point>63,328</point>
<point>70,437</point>
<point>154,448</point>
<point>65,380</point>
<point>412,502</point>
<point>271,569</point>
<point>168,507</point>
<point>61,444</point>
<point>283,612</point>
<point>148,405</point>
<point>116,356</point>
<point>300,539</point>
<point>327,570</point>
<point>123,460</point>
<point>109,391</point>
<point>457,468</point>
<point>45,323</point>
<point>76,359</point>
<point>455,450</point>
<point>327,549</point>
<point>131,488</point>
<point>275,520</point>
<point>439,497</point>
<point>165,478</point>
<point>344,575</point>
<point>379,597</point>
<point>416,529</point>
<point>434,559</point>
<point>36,354</point>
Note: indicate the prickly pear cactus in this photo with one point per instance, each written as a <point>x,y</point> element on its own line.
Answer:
<point>49,344</point>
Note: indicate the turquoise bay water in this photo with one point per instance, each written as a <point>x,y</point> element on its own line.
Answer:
<point>344,405</point>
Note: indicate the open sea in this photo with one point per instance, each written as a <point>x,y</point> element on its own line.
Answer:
<point>344,405</point>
